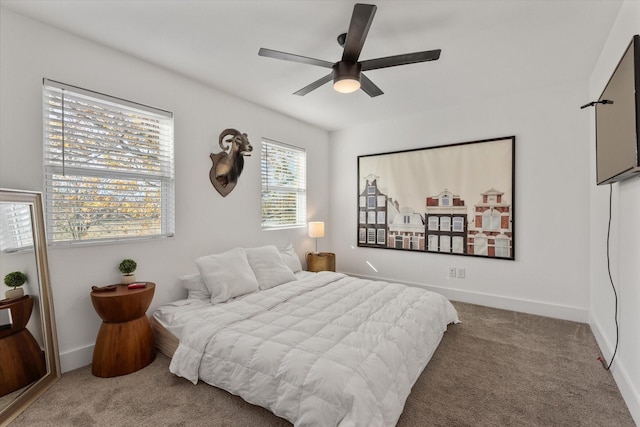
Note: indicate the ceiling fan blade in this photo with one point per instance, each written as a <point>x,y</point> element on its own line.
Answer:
<point>369,87</point>
<point>315,85</point>
<point>293,58</point>
<point>404,59</point>
<point>358,30</point>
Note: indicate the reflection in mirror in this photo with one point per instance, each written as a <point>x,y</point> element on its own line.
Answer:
<point>29,361</point>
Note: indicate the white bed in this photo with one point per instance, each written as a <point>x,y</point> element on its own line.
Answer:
<point>322,349</point>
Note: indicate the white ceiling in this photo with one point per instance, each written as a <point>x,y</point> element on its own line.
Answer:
<point>489,48</point>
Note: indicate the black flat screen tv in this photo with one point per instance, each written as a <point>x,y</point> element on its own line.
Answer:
<point>618,122</point>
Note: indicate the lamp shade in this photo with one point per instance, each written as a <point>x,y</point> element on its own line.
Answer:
<point>316,229</point>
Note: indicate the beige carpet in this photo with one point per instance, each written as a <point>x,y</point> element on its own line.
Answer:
<point>497,368</point>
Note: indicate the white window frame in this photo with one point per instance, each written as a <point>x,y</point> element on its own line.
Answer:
<point>284,185</point>
<point>108,167</point>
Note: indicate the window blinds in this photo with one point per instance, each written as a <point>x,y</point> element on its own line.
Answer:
<point>284,174</point>
<point>15,227</point>
<point>108,166</point>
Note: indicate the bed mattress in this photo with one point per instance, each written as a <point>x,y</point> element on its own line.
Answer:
<point>327,349</point>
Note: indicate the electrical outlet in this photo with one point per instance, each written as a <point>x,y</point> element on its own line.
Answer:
<point>461,273</point>
<point>452,272</point>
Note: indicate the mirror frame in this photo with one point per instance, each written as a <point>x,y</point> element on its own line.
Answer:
<point>50,339</point>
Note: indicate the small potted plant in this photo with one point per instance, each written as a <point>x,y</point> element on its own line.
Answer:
<point>127,267</point>
<point>15,280</point>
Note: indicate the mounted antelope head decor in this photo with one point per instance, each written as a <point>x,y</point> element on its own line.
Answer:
<point>228,164</point>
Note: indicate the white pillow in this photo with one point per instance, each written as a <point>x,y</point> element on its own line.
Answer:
<point>269,267</point>
<point>291,258</point>
<point>196,289</point>
<point>227,275</point>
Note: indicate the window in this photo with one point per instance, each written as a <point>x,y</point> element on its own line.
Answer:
<point>445,243</point>
<point>371,217</point>
<point>458,223</point>
<point>363,217</point>
<point>491,220</point>
<point>108,167</point>
<point>502,246</point>
<point>371,202</point>
<point>284,185</point>
<point>382,236</point>
<point>382,201</point>
<point>457,245</point>
<point>382,217</point>
<point>15,227</point>
<point>432,242</point>
<point>371,235</point>
<point>480,244</point>
<point>445,223</point>
<point>415,242</point>
<point>398,242</point>
<point>433,223</point>
<point>445,200</point>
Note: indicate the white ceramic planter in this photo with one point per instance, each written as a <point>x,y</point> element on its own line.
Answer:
<point>14,293</point>
<point>127,279</point>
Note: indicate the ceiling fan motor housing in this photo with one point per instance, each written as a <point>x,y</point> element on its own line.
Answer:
<point>344,70</point>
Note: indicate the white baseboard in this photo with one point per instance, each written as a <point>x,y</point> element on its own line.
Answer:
<point>575,314</point>
<point>77,358</point>
<point>629,393</point>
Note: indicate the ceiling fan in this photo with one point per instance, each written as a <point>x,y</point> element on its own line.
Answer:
<point>347,73</point>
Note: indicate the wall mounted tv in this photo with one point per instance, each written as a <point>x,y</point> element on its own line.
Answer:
<point>618,122</point>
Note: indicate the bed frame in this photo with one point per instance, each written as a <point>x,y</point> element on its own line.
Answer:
<point>166,342</point>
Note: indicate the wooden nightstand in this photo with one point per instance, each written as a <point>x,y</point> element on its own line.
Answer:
<point>125,341</point>
<point>321,261</point>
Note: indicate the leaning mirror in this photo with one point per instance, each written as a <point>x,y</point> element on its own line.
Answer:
<point>29,360</point>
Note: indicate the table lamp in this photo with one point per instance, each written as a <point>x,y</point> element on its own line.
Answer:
<point>316,229</point>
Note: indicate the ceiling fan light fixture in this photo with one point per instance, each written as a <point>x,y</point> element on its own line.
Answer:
<point>346,85</point>
<point>346,77</point>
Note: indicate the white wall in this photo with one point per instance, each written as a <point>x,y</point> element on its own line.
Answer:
<point>625,237</point>
<point>550,275</point>
<point>205,221</point>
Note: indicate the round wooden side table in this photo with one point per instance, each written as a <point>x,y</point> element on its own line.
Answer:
<point>21,358</point>
<point>125,341</point>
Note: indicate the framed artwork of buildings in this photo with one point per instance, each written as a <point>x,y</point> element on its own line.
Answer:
<point>453,199</point>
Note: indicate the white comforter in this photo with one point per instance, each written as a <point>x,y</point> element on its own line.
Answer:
<point>325,350</point>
